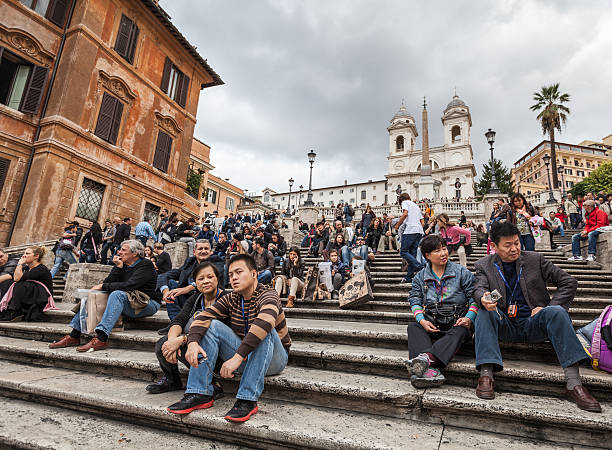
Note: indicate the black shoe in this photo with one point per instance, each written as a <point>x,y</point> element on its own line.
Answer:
<point>242,411</point>
<point>164,385</point>
<point>11,315</point>
<point>191,402</point>
<point>163,331</point>
<point>218,390</point>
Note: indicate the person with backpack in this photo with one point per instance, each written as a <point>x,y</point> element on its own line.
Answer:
<point>65,246</point>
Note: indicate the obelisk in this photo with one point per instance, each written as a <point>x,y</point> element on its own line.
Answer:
<point>426,182</point>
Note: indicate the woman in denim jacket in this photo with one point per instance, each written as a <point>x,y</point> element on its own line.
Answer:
<point>447,285</point>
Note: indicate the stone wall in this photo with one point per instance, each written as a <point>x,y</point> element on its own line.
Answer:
<point>83,276</point>
<point>604,250</point>
<point>178,251</point>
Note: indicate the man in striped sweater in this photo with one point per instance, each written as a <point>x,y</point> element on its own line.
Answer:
<point>256,345</point>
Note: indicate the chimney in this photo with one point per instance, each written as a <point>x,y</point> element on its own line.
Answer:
<point>345,182</point>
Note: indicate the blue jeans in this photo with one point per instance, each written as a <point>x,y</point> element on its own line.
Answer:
<point>305,241</point>
<point>588,330</point>
<point>592,237</point>
<point>118,304</point>
<point>347,255</point>
<point>174,308</point>
<point>575,219</point>
<point>408,251</point>
<point>552,322</point>
<point>142,239</point>
<point>268,358</point>
<point>559,230</point>
<point>527,242</point>
<point>60,257</point>
<point>264,277</point>
<point>89,256</point>
<point>108,245</point>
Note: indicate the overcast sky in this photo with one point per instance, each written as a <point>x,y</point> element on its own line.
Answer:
<point>330,74</point>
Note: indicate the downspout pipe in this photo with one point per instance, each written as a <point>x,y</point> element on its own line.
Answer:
<point>38,127</point>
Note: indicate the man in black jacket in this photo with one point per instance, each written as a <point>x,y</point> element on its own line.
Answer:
<point>222,245</point>
<point>177,285</point>
<point>524,312</point>
<point>122,233</point>
<point>164,263</point>
<point>133,276</point>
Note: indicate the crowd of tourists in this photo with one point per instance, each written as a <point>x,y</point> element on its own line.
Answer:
<point>218,333</point>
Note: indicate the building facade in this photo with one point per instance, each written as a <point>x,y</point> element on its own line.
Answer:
<point>452,167</point>
<point>574,162</point>
<point>98,103</point>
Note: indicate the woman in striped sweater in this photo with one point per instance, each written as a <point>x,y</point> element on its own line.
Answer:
<point>444,311</point>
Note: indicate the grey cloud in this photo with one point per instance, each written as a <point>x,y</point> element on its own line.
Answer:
<point>330,75</point>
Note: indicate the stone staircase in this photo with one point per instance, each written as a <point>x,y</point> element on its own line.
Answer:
<point>346,385</point>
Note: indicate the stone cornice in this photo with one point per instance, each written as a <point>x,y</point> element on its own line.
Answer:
<point>117,86</point>
<point>26,44</point>
<point>168,124</point>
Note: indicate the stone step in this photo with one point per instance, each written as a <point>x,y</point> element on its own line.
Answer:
<point>274,426</point>
<point>546,417</point>
<point>586,288</point>
<point>58,427</point>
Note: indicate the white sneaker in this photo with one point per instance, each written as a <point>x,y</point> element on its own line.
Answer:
<point>575,258</point>
<point>591,258</point>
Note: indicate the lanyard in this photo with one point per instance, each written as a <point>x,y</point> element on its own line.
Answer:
<point>202,300</point>
<point>244,317</point>
<point>516,284</point>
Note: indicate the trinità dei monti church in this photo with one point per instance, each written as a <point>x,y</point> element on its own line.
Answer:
<point>449,174</point>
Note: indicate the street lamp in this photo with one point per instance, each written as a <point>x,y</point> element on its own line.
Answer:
<point>551,198</point>
<point>311,159</point>
<point>289,201</point>
<point>490,135</point>
<point>561,171</point>
<point>300,200</point>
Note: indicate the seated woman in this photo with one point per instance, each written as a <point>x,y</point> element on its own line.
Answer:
<point>32,292</point>
<point>481,235</point>
<point>340,246</point>
<point>172,347</point>
<point>442,304</point>
<point>375,231</point>
<point>339,272</point>
<point>292,276</point>
<point>451,233</point>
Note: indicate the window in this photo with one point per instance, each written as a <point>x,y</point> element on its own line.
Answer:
<point>21,83</point>
<point>127,36</point>
<point>569,172</point>
<point>54,10</point>
<point>373,188</point>
<point>175,83</point>
<point>580,173</point>
<point>363,195</point>
<point>588,164</point>
<point>211,195</point>
<point>331,192</point>
<point>90,200</point>
<point>4,166</point>
<point>331,203</point>
<point>161,159</point>
<point>576,163</point>
<point>399,144</point>
<point>342,191</point>
<point>229,203</point>
<point>456,134</point>
<point>352,200</point>
<point>267,197</point>
<point>109,118</point>
<point>320,194</point>
<point>282,199</point>
<point>352,190</point>
<point>151,213</point>
<point>564,161</point>
<point>373,198</point>
<point>569,184</point>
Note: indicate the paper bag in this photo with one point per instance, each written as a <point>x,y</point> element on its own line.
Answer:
<point>311,283</point>
<point>355,291</point>
<point>325,275</point>
<point>358,266</point>
<point>95,307</point>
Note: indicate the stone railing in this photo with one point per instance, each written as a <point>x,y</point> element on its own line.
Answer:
<point>19,249</point>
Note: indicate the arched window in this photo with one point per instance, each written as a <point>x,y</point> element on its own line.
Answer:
<point>399,143</point>
<point>456,133</point>
<point>267,197</point>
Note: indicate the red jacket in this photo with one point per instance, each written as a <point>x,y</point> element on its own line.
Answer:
<point>596,219</point>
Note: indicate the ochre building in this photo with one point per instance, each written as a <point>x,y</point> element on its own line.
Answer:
<point>98,102</point>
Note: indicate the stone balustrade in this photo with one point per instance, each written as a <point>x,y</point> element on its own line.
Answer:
<point>83,276</point>
<point>603,256</point>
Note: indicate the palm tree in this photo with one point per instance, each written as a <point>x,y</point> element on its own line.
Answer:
<point>552,115</point>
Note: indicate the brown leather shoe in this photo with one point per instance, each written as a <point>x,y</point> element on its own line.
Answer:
<point>290,300</point>
<point>66,341</point>
<point>485,388</point>
<point>93,346</point>
<point>583,399</point>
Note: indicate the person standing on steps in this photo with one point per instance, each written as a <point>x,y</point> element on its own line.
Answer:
<point>412,219</point>
<point>525,312</point>
<point>441,301</point>
<point>256,345</point>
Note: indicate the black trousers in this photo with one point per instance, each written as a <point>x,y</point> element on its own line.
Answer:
<point>445,346</point>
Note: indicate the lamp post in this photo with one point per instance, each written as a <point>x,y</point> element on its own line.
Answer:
<point>490,135</point>
<point>300,199</point>
<point>551,197</point>
<point>561,171</point>
<point>289,201</point>
<point>311,159</point>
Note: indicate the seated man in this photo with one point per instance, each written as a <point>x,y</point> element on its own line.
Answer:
<point>177,285</point>
<point>278,247</point>
<point>185,233</point>
<point>594,218</point>
<point>222,245</point>
<point>319,239</point>
<point>206,233</point>
<point>7,269</point>
<point>361,250</point>
<point>556,226</point>
<point>525,312</point>
<point>132,273</point>
<point>256,345</point>
<point>164,263</point>
<point>340,272</point>
<point>264,261</point>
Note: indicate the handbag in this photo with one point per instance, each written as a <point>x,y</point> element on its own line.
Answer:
<point>443,315</point>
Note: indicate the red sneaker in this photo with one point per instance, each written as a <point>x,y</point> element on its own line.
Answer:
<point>242,411</point>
